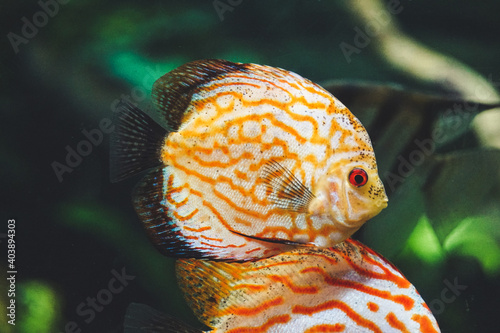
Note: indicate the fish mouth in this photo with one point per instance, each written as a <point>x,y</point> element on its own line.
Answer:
<point>383,203</point>
<point>349,215</point>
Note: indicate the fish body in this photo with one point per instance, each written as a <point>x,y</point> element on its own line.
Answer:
<point>347,288</point>
<point>258,160</point>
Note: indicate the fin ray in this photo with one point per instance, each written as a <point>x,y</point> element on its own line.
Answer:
<point>135,143</point>
<point>284,189</point>
<point>145,319</point>
<point>205,284</point>
<point>172,93</point>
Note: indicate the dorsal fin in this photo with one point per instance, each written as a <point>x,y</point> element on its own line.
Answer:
<point>173,91</point>
<point>135,143</point>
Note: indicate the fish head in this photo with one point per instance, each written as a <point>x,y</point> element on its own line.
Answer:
<point>349,194</point>
<point>362,194</point>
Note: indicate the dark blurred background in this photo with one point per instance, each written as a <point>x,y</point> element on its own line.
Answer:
<point>63,66</point>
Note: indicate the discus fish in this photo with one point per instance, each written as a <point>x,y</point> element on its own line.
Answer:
<point>347,288</point>
<point>249,161</point>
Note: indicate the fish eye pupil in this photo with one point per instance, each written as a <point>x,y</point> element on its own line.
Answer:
<point>358,177</point>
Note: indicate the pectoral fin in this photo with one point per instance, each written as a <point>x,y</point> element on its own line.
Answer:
<point>284,189</point>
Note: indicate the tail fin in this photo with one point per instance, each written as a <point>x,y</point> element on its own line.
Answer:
<point>135,143</point>
<point>141,318</point>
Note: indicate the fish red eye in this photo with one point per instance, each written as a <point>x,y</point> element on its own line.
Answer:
<point>358,177</point>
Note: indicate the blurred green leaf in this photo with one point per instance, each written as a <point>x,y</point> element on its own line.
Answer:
<point>460,185</point>
<point>41,308</point>
<point>424,244</point>
<point>478,237</point>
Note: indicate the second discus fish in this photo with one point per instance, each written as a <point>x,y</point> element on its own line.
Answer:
<point>347,288</point>
<point>248,161</point>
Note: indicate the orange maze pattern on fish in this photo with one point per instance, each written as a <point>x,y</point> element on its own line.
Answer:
<point>216,179</point>
<point>348,288</point>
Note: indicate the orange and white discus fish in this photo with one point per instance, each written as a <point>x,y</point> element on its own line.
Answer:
<point>258,159</point>
<point>348,288</point>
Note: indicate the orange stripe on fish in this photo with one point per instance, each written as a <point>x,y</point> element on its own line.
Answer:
<point>358,319</point>
<point>388,273</point>
<point>253,250</point>
<point>247,311</point>
<point>325,328</point>
<point>393,320</point>
<point>197,230</point>
<point>405,301</point>
<point>250,287</point>
<point>427,323</point>
<point>212,239</point>
<point>372,306</point>
<point>280,319</point>
<point>295,288</point>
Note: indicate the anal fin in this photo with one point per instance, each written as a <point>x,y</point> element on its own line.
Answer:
<point>158,217</point>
